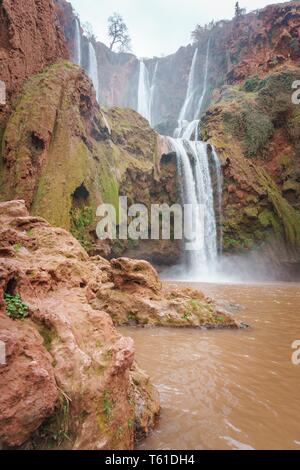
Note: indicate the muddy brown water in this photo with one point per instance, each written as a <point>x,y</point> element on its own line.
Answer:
<point>228,389</point>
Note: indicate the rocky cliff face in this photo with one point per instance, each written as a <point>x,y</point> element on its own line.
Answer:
<point>30,38</point>
<point>254,126</point>
<point>107,153</point>
<point>255,43</point>
<point>65,156</point>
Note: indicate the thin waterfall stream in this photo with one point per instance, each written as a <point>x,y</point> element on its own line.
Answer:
<point>93,69</point>
<point>144,92</point>
<point>77,45</point>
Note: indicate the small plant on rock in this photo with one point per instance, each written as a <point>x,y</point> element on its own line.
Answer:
<point>107,406</point>
<point>15,308</point>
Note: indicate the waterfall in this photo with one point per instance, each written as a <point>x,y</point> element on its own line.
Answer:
<point>152,95</point>
<point>77,48</point>
<point>202,97</point>
<point>219,196</point>
<point>144,92</point>
<point>93,68</point>
<point>194,168</point>
<point>187,107</point>
<point>194,173</point>
<point>191,107</point>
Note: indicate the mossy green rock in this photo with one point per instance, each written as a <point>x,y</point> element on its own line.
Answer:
<point>64,156</point>
<point>255,128</point>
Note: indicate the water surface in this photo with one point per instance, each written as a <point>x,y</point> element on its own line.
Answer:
<point>228,389</point>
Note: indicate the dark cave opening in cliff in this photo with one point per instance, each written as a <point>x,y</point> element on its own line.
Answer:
<point>80,196</point>
<point>11,287</point>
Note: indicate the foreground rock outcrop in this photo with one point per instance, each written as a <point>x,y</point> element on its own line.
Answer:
<point>68,373</point>
<point>70,379</point>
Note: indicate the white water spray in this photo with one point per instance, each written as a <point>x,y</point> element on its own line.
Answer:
<point>93,69</point>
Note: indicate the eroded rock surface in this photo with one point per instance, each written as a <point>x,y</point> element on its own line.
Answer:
<point>70,377</point>
<point>30,38</point>
<point>65,362</point>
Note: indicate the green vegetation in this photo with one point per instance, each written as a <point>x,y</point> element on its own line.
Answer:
<point>289,217</point>
<point>252,126</point>
<point>187,316</point>
<point>221,319</point>
<point>109,186</point>
<point>133,318</point>
<point>48,335</point>
<point>194,307</point>
<point>15,308</point>
<point>130,424</point>
<point>18,247</point>
<point>107,406</point>
<point>81,219</point>
<point>254,110</point>
<point>252,84</point>
<point>55,431</point>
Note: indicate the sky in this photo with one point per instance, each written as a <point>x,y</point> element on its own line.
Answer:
<point>159,27</point>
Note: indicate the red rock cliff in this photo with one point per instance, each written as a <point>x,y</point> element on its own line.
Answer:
<point>30,38</point>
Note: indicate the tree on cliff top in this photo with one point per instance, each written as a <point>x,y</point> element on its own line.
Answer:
<point>239,11</point>
<point>118,33</point>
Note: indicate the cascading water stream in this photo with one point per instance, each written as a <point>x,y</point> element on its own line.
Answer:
<point>193,160</point>
<point>219,196</point>
<point>197,190</point>
<point>143,107</point>
<point>187,108</point>
<point>77,45</point>
<point>152,95</point>
<point>204,92</point>
<point>93,69</point>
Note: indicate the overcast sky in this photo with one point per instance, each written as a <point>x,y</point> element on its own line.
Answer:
<point>159,26</point>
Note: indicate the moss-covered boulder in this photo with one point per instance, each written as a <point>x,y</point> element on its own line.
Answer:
<point>64,156</point>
